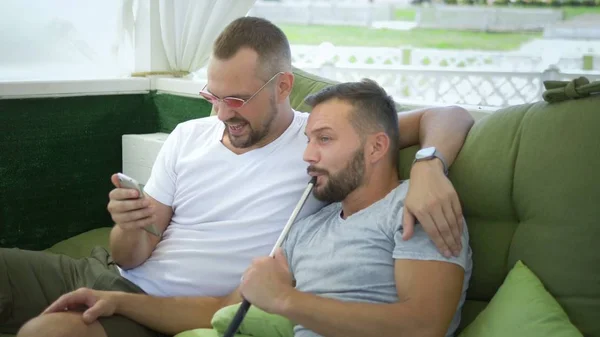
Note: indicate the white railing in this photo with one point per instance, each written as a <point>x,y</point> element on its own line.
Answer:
<point>341,56</point>
<point>465,87</point>
<point>427,76</point>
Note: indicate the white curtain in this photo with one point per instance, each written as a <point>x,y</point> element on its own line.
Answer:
<point>189,27</point>
<point>96,39</point>
<point>65,39</point>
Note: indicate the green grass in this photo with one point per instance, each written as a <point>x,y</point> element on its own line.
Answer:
<point>571,12</point>
<point>405,14</point>
<point>421,38</point>
<point>409,14</point>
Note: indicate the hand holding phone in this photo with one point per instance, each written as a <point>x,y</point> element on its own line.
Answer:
<point>133,212</point>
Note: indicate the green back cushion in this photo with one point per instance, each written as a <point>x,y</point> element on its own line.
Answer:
<point>522,307</point>
<point>528,178</point>
<point>306,83</point>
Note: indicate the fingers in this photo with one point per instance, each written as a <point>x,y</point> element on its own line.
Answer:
<point>97,310</point>
<point>408,225</point>
<point>115,180</point>
<point>458,214</point>
<point>451,235</point>
<point>72,300</point>
<point>131,212</point>
<point>128,211</point>
<point>432,230</point>
<point>123,194</point>
<point>281,259</point>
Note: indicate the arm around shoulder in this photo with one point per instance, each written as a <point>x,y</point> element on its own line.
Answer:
<point>444,128</point>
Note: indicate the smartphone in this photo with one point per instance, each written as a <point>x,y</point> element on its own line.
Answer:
<point>128,182</point>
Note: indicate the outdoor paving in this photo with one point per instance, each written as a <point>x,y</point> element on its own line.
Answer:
<point>396,25</point>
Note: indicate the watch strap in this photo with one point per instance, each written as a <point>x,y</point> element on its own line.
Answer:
<point>436,154</point>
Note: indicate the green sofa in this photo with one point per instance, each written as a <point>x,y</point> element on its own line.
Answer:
<point>528,177</point>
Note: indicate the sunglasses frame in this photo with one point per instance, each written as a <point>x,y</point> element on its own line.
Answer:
<point>232,102</point>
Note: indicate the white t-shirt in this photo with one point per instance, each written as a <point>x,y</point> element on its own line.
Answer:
<point>228,208</point>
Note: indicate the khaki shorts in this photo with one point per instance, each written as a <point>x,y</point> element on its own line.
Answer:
<point>30,281</point>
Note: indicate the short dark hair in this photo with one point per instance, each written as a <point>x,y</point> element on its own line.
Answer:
<point>373,109</point>
<point>260,35</point>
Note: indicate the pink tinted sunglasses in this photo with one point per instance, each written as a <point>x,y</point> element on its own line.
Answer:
<point>232,102</point>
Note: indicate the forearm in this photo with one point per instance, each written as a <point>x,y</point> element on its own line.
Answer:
<point>332,318</point>
<point>170,315</point>
<point>131,248</point>
<point>446,129</point>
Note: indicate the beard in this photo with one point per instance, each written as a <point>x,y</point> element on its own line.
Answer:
<point>341,184</point>
<point>257,135</point>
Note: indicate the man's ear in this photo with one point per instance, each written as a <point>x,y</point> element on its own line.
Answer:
<point>379,144</point>
<point>285,85</point>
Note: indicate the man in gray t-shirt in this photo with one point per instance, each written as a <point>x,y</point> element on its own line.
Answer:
<point>352,259</point>
<point>354,274</point>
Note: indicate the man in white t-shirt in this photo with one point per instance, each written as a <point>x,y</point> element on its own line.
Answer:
<point>221,190</point>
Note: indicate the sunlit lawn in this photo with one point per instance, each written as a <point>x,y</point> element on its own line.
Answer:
<point>409,13</point>
<point>422,38</point>
<point>571,12</point>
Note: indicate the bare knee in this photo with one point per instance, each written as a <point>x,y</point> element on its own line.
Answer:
<point>63,324</point>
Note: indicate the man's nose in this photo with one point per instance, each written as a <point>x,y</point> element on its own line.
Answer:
<point>224,113</point>
<point>311,154</point>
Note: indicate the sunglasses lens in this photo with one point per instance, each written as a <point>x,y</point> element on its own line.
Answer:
<point>234,102</point>
<point>208,97</point>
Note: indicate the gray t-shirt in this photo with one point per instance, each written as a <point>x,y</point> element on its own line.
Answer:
<point>353,259</point>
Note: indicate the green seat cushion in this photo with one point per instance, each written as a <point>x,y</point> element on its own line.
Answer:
<point>204,333</point>
<point>81,245</point>
<point>522,307</point>
<point>256,322</point>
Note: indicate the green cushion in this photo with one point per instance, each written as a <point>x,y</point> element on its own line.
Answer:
<point>256,323</point>
<point>81,245</point>
<point>203,333</point>
<point>522,307</point>
<point>527,178</point>
<point>306,84</point>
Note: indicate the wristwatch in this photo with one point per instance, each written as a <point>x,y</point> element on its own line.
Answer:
<point>429,153</point>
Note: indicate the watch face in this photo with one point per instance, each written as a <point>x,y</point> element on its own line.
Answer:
<point>426,152</point>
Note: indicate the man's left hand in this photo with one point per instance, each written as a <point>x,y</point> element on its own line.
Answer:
<point>267,283</point>
<point>95,303</point>
<point>433,201</point>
